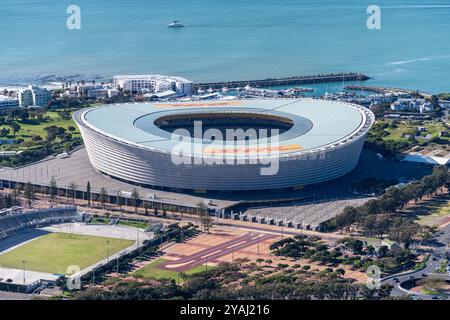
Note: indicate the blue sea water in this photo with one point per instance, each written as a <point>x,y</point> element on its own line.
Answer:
<point>229,39</point>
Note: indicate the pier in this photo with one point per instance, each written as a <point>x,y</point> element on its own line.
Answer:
<point>289,81</point>
<point>385,90</point>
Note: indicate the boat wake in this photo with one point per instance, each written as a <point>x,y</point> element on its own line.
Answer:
<point>416,60</point>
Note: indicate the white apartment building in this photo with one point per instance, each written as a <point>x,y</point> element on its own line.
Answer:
<point>7,102</point>
<point>153,83</point>
<point>34,96</point>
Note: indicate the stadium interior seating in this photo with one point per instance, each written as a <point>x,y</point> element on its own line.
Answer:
<point>11,223</point>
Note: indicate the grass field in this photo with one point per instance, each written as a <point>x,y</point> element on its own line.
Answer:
<point>135,224</point>
<point>431,212</point>
<point>398,133</point>
<point>34,127</point>
<point>151,271</point>
<point>54,252</point>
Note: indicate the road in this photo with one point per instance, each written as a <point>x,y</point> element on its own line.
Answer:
<point>436,257</point>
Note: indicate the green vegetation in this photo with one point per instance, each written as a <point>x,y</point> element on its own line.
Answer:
<point>152,271</point>
<point>36,134</point>
<point>99,220</point>
<point>239,280</point>
<point>384,217</point>
<point>54,252</point>
<point>353,252</point>
<point>30,128</point>
<point>444,96</point>
<point>389,136</point>
<point>433,286</point>
<point>134,224</point>
<point>442,267</point>
<point>431,212</point>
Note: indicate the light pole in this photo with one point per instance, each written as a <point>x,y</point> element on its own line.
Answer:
<point>118,265</point>
<point>257,249</point>
<point>23,266</point>
<point>107,250</point>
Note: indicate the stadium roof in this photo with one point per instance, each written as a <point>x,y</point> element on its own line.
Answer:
<point>332,121</point>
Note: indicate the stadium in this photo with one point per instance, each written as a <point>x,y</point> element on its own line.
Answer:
<point>316,141</point>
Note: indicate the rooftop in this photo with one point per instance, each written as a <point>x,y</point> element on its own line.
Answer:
<point>332,122</point>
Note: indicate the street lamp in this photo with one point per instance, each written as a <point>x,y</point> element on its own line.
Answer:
<point>23,267</point>
<point>257,248</point>
<point>107,250</point>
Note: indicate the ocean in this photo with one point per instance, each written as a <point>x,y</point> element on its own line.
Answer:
<point>227,40</point>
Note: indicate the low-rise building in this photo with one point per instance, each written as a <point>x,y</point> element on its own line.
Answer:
<point>8,103</point>
<point>153,83</point>
<point>161,96</point>
<point>420,105</point>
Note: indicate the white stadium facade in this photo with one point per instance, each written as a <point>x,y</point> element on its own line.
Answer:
<point>317,141</point>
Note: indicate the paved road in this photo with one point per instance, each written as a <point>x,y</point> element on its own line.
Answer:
<point>436,258</point>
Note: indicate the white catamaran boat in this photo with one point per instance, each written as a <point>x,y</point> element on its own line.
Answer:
<point>176,24</point>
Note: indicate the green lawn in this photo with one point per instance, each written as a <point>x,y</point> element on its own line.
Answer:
<point>135,224</point>
<point>54,252</point>
<point>431,212</point>
<point>153,272</point>
<point>402,129</point>
<point>34,127</point>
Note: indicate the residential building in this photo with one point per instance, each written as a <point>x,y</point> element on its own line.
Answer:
<point>7,102</point>
<point>153,83</point>
<point>34,96</point>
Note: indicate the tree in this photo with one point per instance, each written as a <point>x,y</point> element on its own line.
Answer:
<point>73,189</point>
<point>53,188</point>
<point>346,218</point>
<point>384,291</point>
<point>15,196</point>
<point>88,193</point>
<point>353,244</point>
<point>15,127</point>
<point>103,196</point>
<point>135,197</point>
<point>205,218</point>
<point>29,193</point>
<point>4,132</point>
<point>368,293</point>
<point>260,261</point>
<point>119,202</point>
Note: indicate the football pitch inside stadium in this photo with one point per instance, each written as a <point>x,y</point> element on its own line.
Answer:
<point>55,252</point>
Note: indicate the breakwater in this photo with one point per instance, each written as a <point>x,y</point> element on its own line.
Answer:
<point>289,81</point>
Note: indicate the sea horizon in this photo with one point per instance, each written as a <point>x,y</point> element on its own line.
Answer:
<point>227,41</point>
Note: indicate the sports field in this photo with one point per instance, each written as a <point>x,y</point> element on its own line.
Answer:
<point>153,271</point>
<point>54,252</point>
